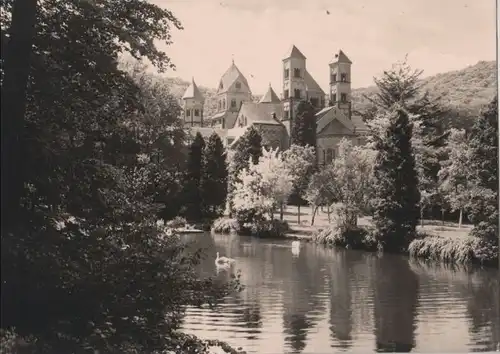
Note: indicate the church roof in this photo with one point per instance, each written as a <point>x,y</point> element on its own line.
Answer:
<point>311,84</point>
<point>193,92</point>
<point>294,52</point>
<point>261,113</point>
<point>340,57</point>
<point>270,96</point>
<point>230,77</point>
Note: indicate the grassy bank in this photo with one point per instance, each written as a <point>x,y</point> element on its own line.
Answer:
<point>443,242</point>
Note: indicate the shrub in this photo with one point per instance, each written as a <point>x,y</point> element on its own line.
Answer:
<point>225,225</point>
<point>446,249</point>
<point>269,228</point>
<point>353,238</point>
<point>177,222</point>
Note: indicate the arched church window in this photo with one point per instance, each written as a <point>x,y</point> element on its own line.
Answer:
<point>233,103</point>
<point>224,104</point>
<point>343,77</point>
<point>196,112</point>
<point>238,85</point>
<point>343,97</point>
<point>330,155</point>
<point>296,72</point>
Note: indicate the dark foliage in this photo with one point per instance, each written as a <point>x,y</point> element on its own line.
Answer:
<point>396,195</point>
<point>192,196</point>
<point>214,179</point>
<point>303,130</point>
<point>84,266</point>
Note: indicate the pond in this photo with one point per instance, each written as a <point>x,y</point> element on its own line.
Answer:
<point>324,300</point>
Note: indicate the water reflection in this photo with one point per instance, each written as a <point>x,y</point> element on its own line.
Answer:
<point>395,304</point>
<point>348,300</point>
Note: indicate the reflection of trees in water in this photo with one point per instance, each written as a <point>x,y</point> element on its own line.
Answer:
<point>302,305</point>
<point>340,301</point>
<point>396,296</point>
<point>480,289</point>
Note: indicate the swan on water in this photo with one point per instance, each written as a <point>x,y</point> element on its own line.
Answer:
<point>295,244</point>
<point>223,260</point>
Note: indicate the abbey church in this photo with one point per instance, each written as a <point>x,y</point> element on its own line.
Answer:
<point>272,116</point>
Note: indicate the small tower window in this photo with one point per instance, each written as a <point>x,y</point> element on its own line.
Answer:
<point>223,104</point>
<point>238,85</point>
<point>287,73</point>
<point>334,77</point>
<point>196,112</point>
<point>286,115</point>
<point>296,72</point>
<point>296,93</point>
<point>221,86</point>
<point>187,112</point>
<point>330,155</point>
<point>343,97</point>
<point>343,77</point>
<point>314,102</point>
<point>219,105</point>
<point>233,103</point>
<point>287,94</point>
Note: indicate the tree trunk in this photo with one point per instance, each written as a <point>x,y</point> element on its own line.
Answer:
<point>329,213</point>
<point>315,209</point>
<point>281,211</point>
<point>460,219</point>
<point>442,217</point>
<point>16,73</point>
<point>298,214</point>
<point>422,217</point>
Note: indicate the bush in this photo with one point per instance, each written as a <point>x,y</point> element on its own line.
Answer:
<point>225,225</point>
<point>269,228</point>
<point>177,222</point>
<point>353,238</point>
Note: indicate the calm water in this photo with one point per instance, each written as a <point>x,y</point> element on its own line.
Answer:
<point>327,300</point>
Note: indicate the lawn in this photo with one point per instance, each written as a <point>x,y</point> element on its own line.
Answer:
<point>305,230</point>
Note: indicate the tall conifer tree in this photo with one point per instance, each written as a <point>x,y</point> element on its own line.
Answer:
<point>193,208</point>
<point>214,180</point>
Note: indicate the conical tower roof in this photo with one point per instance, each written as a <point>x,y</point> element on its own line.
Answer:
<point>193,92</point>
<point>270,96</point>
<point>294,52</point>
<point>340,57</point>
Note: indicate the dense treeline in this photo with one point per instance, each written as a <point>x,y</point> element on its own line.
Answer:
<point>92,151</point>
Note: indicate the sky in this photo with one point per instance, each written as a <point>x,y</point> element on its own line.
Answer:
<point>437,36</point>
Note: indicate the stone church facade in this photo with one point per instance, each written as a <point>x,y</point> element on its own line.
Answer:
<point>272,116</point>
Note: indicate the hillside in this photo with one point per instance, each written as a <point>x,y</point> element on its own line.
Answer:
<point>464,92</point>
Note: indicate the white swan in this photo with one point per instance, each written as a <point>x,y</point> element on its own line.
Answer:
<point>295,244</point>
<point>295,248</point>
<point>221,261</point>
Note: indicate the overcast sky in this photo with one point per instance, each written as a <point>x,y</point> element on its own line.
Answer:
<point>438,35</point>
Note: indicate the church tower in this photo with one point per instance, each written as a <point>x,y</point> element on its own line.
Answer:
<point>340,83</point>
<point>294,85</point>
<point>193,102</point>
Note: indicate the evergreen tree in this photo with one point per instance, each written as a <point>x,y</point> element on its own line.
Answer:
<point>483,177</point>
<point>396,194</point>
<point>402,84</point>
<point>303,131</point>
<point>249,147</point>
<point>193,208</point>
<point>214,180</point>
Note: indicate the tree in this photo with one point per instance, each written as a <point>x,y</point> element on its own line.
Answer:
<point>249,148</point>
<point>396,195</point>
<point>483,177</point>
<point>262,187</point>
<point>85,263</point>
<point>299,161</point>
<point>320,189</point>
<point>303,131</point>
<point>453,183</point>
<point>351,173</point>
<point>193,202</point>
<point>214,180</point>
<point>402,84</point>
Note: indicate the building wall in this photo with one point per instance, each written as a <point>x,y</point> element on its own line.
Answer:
<point>338,87</point>
<point>226,97</point>
<point>190,108</point>
<point>273,135</point>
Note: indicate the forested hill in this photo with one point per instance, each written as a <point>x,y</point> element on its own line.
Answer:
<point>464,91</point>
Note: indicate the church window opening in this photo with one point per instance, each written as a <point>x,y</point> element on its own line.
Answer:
<point>314,102</point>
<point>334,77</point>
<point>296,93</point>
<point>223,104</point>
<point>238,85</point>
<point>330,155</point>
<point>286,114</point>
<point>296,72</point>
<point>221,86</point>
<point>287,94</point>
<point>343,97</point>
<point>233,103</point>
<point>196,112</point>
<point>343,77</point>
<point>287,73</point>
